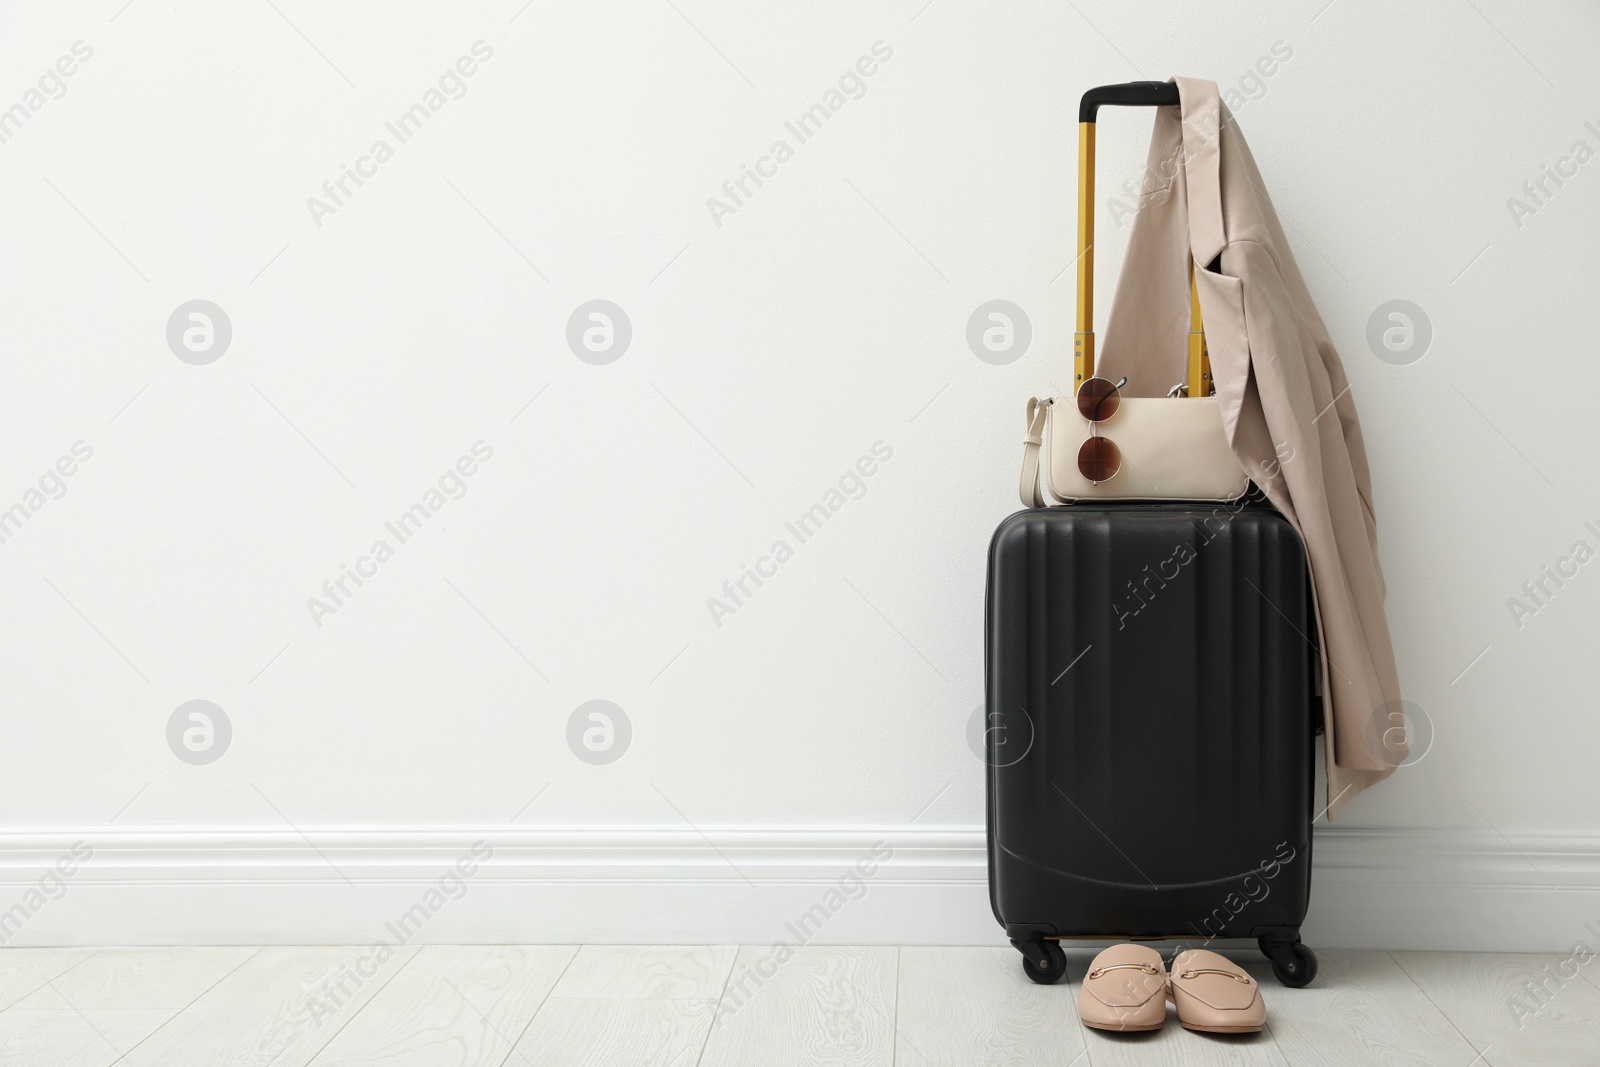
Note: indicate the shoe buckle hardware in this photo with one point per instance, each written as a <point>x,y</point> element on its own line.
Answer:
<point>1147,968</point>
<point>1193,971</point>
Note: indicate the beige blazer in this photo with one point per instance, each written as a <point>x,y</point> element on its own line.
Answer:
<point>1285,401</point>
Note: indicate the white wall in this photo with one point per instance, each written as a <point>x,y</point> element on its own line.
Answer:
<point>771,349</point>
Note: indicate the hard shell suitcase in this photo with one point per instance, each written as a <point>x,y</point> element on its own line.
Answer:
<point>1150,701</point>
<point>1150,673</point>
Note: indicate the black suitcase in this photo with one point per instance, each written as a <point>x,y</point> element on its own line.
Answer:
<point>1150,701</point>
<point>1151,682</point>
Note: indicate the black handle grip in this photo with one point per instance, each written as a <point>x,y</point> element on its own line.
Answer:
<point>1128,94</point>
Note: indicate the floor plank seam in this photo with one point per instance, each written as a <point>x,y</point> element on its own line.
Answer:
<point>895,1036</point>
<point>936,1006</point>
<point>1087,1055</point>
<point>192,1002</point>
<point>716,1010</point>
<point>50,978</point>
<point>534,1015</point>
<point>83,1018</point>
<point>1483,1054</point>
<point>1589,978</point>
<point>894,1024</point>
<point>1282,1052</point>
<point>312,1059</point>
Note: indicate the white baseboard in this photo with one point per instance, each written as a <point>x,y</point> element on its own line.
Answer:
<point>1421,889</point>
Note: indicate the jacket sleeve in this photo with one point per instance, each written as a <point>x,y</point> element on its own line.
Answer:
<point>1355,446</point>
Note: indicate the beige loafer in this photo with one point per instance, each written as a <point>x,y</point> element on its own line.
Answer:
<point>1215,995</point>
<point>1125,990</point>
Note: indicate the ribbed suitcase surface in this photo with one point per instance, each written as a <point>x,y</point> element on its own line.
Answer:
<point>1150,702</point>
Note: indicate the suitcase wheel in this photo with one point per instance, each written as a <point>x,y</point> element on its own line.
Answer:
<point>1293,964</point>
<point>1043,961</point>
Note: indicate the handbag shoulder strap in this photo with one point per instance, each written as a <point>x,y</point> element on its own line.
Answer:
<point>1030,490</point>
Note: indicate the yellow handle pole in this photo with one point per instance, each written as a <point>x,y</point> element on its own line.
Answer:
<point>1200,383</point>
<point>1199,376</point>
<point>1083,340</point>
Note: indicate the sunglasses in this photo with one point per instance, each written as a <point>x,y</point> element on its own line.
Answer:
<point>1099,458</point>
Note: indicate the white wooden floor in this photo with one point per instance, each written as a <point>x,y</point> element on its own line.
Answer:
<point>716,1006</point>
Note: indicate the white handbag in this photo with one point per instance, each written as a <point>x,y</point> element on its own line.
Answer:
<point>1172,447</point>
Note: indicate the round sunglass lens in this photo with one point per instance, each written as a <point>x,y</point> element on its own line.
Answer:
<point>1099,459</point>
<point>1098,400</point>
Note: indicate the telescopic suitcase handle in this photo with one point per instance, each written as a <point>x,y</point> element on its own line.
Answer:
<point>1128,94</point>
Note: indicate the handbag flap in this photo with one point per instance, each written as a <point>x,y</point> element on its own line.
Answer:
<point>1172,449</point>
